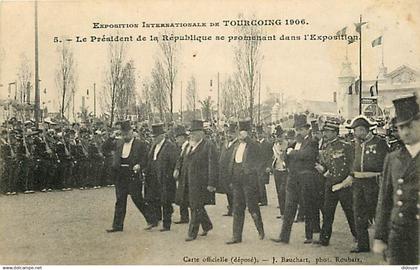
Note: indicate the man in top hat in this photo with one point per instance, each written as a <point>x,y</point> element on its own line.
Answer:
<point>200,170</point>
<point>369,154</point>
<point>302,178</point>
<point>279,167</point>
<point>130,159</point>
<point>336,164</point>
<point>108,148</point>
<point>398,211</point>
<point>181,196</point>
<point>160,186</point>
<point>229,144</point>
<point>265,155</point>
<point>244,165</point>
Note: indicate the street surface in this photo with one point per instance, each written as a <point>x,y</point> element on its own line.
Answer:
<point>69,228</point>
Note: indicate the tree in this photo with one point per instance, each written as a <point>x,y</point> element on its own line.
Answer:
<point>159,91</point>
<point>248,59</point>
<point>125,97</point>
<point>207,108</point>
<point>191,93</point>
<point>169,70</point>
<point>65,76</point>
<point>24,77</point>
<point>234,98</point>
<point>113,77</point>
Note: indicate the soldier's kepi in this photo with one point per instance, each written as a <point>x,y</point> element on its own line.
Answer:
<point>369,154</point>
<point>397,219</point>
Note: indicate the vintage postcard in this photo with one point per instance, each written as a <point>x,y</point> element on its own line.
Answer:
<point>142,132</point>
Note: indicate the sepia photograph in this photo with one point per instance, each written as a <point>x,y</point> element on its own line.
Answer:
<point>209,133</point>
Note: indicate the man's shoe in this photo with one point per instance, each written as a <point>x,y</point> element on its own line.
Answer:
<point>308,241</point>
<point>181,222</point>
<point>320,243</point>
<point>233,241</point>
<point>165,229</point>
<point>204,233</point>
<point>278,240</point>
<point>228,214</point>
<point>359,250</point>
<point>189,238</point>
<point>113,230</point>
<point>151,226</point>
<point>261,236</point>
<point>279,217</point>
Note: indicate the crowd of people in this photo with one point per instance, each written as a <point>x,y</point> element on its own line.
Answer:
<point>373,176</point>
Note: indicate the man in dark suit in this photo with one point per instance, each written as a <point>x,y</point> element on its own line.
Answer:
<point>244,165</point>
<point>225,155</point>
<point>265,153</point>
<point>200,167</point>
<point>129,160</point>
<point>302,178</point>
<point>398,211</point>
<point>181,195</point>
<point>160,184</point>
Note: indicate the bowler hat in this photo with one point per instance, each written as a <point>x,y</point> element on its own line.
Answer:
<point>406,109</point>
<point>197,125</point>
<point>232,127</point>
<point>125,125</point>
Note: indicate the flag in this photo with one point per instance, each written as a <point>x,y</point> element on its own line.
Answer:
<point>359,26</point>
<point>377,42</point>
<point>376,87</point>
<point>342,31</point>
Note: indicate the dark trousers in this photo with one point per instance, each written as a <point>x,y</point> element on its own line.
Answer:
<point>403,245</point>
<point>199,217</point>
<point>9,174</point>
<point>64,174</point>
<point>245,194</point>
<point>280,178</point>
<point>184,213</point>
<point>262,191</point>
<point>229,197</point>
<point>300,183</point>
<point>162,211</point>
<point>107,171</point>
<point>126,184</point>
<point>344,196</point>
<point>365,198</point>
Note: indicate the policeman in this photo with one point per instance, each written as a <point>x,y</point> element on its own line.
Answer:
<point>243,169</point>
<point>369,154</point>
<point>398,211</point>
<point>337,159</point>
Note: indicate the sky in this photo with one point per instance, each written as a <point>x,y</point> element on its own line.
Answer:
<point>300,69</point>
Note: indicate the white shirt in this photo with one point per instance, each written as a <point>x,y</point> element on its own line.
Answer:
<point>413,149</point>
<point>239,155</point>
<point>157,149</point>
<point>127,148</point>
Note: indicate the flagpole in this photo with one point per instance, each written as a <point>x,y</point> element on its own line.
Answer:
<point>382,45</point>
<point>360,66</point>
<point>37,94</point>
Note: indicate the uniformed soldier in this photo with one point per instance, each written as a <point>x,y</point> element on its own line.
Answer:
<point>64,163</point>
<point>336,163</point>
<point>369,155</point>
<point>108,148</point>
<point>8,157</point>
<point>244,165</point>
<point>398,211</point>
<point>96,160</point>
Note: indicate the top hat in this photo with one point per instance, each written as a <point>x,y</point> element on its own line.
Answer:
<point>245,125</point>
<point>300,121</point>
<point>197,125</point>
<point>232,127</point>
<point>259,129</point>
<point>157,129</point>
<point>360,120</point>
<point>406,109</point>
<point>331,125</point>
<point>290,134</point>
<point>125,125</point>
<point>180,131</point>
<point>314,126</point>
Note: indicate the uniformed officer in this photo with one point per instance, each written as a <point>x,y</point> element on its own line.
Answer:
<point>243,169</point>
<point>336,162</point>
<point>398,211</point>
<point>369,154</point>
